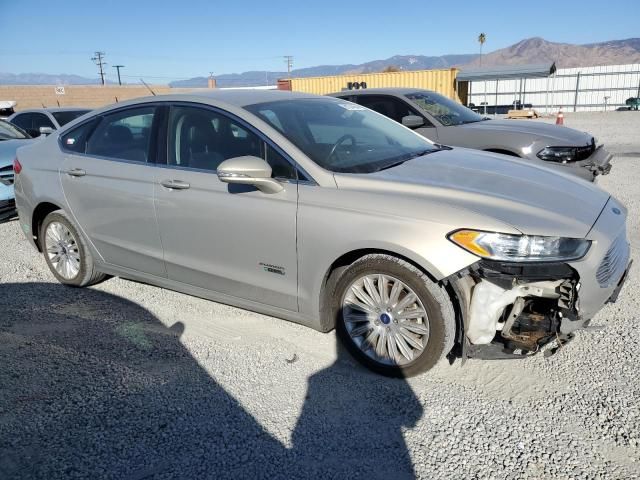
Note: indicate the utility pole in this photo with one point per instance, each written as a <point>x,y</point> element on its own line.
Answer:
<point>118,67</point>
<point>99,60</point>
<point>289,60</point>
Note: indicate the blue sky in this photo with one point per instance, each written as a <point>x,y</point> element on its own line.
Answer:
<point>162,40</point>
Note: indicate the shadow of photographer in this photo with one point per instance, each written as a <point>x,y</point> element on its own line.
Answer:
<point>95,386</point>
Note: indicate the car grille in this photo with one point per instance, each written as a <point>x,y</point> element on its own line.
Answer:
<point>582,153</point>
<point>6,175</point>
<point>614,262</point>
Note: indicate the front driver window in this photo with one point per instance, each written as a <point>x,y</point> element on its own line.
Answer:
<point>388,106</point>
<point>202,139</point>
<point>41,120</point>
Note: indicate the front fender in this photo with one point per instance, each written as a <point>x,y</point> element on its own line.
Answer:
<point>328,232</point>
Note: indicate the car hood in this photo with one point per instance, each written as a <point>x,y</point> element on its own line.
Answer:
<point>531,198</point>
<point>8,150</point>
<point>559,135</point>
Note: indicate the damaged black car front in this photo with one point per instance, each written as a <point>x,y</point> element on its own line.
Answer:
<point>588,158</point>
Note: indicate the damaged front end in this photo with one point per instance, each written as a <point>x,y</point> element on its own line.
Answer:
<point>590,160</point>
<point>513,310</point>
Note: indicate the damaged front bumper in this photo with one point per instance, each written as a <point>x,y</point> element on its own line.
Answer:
<point>513,309</point>
<point>598,163</point>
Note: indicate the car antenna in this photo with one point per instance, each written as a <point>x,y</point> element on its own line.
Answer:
<point>148,87</point>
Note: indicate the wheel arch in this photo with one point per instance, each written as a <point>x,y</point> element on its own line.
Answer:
<point>328,282</point>
<point>39,214</point>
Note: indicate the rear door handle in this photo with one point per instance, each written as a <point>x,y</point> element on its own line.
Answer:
<point>175,184</point>
<point>76,172</point>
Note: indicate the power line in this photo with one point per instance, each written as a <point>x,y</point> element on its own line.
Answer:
<point>118,67</point>
<point>99,60</point>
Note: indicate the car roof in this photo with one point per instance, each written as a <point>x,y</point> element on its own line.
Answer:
<point>238,98</point>
<point>221,98</point>
<point>55,109</point>
<point>372,91</point>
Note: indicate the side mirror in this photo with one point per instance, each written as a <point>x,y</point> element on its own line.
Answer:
<point>249,170</point>
<point>412,121</point>
<point>45,130</point>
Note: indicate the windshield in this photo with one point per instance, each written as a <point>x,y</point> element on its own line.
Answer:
<point>11,132</point>
<point>445,110</point>
<point>65,117</point>
<point>342,136</point>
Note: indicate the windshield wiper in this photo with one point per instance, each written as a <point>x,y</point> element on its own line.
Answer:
<point>410,157</point>
<point>466,122</point>
<point>422,153</point>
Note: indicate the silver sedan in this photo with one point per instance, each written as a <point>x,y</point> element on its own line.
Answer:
<point>325,213</point>
<point>444,121</point>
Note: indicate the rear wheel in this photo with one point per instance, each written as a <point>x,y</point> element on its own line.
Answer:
<point>66,252</point>
<point>392,317</point>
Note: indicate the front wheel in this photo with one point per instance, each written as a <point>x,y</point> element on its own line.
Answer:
<point>66,252</point>
<point>392,317</point>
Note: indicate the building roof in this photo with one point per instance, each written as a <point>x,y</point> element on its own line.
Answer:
<point>508,71</point>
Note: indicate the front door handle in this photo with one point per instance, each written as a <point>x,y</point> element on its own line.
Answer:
<point>175,184</point>
<point>76,172</point>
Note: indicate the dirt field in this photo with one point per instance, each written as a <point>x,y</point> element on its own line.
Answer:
<point>126,380</point>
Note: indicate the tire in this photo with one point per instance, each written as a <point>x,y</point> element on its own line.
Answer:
<point>434,331</point>
<point>78,250</point>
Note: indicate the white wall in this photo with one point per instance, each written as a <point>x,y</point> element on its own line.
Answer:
<point>618,82</point>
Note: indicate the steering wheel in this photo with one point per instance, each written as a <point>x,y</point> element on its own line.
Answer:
<point>340,141</point>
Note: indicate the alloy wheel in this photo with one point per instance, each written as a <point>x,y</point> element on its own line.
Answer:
<point>62,250</point>
<point>385,319</point>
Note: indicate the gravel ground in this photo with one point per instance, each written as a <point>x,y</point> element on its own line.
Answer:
<point>130,381</point>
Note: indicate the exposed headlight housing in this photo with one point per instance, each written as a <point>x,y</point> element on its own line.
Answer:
<point>558,154</point>
<point>519,248</point>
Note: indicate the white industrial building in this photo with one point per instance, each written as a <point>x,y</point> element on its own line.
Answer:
<point>547,88</point>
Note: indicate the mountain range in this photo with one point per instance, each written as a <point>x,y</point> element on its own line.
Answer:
<point>46,79</point>
<point>531,50</point>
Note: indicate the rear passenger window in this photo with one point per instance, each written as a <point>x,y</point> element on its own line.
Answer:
<point>124,135</point>
<point>76,139</point>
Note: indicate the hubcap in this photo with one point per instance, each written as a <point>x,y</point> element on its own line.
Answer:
<point>62,250</point>
<point>385,319</point>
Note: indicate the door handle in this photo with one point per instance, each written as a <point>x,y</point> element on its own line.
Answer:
<point>175,184</point>
<point>76,172</point>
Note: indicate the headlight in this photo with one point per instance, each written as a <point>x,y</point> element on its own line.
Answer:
<point>519,248</point>
<point>558,154</point>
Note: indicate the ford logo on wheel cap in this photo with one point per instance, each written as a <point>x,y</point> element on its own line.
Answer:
<point>616,210</point>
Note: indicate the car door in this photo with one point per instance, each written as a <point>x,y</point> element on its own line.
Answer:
<point>108,180</point>
<point>396,108</point>
<point>229,239</point>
